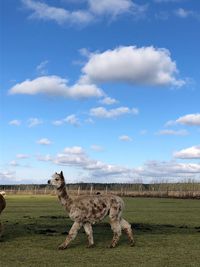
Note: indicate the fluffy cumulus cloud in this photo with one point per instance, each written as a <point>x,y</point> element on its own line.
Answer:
<point>188,153</point>
<point>57,86</point>
<point>108,101</point>
<point>102,112</point>
<point>130,64</point>
<point>189,119</point>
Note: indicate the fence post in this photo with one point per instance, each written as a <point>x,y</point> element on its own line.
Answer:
<point>78,192</point>
<point>91,189</point>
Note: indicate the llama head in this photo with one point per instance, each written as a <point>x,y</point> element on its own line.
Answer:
<point>57,180</point>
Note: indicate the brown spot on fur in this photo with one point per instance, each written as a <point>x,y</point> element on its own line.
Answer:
<point>93,211</point>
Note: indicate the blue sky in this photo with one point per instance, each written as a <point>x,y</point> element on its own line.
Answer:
<point>107,91</point>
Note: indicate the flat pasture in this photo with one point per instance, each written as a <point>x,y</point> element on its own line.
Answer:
<point>167,233</point>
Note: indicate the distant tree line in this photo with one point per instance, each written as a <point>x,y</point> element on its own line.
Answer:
<point>181,186</point>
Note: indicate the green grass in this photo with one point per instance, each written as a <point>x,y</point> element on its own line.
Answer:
<point>167,233</point>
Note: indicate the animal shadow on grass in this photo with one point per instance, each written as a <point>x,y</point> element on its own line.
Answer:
<point>59,225</point>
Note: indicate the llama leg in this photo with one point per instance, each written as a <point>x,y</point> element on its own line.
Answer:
<point>116,228</point>
<point>71,236</point>
<point>89,233</point>
<point>127,229</point>
<point>115,216</point>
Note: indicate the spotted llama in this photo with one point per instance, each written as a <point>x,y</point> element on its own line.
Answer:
<point>87,210</point>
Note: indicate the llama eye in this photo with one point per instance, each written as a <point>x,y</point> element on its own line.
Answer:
<point>56,179</point>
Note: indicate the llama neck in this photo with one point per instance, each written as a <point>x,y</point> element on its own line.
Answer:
<point>63,196</point>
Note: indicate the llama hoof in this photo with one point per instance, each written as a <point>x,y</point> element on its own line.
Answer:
<point>90,246</point>
<point>62,247</point>
<point>132,243</point>
<point>111,246</point>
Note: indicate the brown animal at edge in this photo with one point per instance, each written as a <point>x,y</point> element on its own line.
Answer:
<point>87,210</point>
<point>2,207</point>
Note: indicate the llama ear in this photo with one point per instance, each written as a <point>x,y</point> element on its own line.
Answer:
<point>61,174</point>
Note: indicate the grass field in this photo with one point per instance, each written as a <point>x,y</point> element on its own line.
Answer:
<point>167,233</point>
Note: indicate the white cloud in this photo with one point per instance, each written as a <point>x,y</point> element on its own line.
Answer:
<point>173,132</point>
<point>55,85</point>
<point>188,153</point>
<point>46,12</point>
<point>97,148</point>
<point>15,122</point>
<point>73,120</point>
<point>58,122</point>
<point>102,112</point>
<point>44,141</point>
<point>167,1</point>
<point>45,158</point>
<point>182,13</point>
<point>77,150</point>
<point>125,138</point>
<point>84,91</point>
<point>108,101</point>
<point>14,163</point>
<point>129,64</point>
<point>186,13</point>
<point>77,157</point>
<point>115,7</point>
<point>32,122</point>
<point>22,156</point>
<point>6,176</point>
<point>169,169</point>
<point>93,11</point>
<point>41,68</point>
<point>89,121</point>
<point>189,119</point>
<point>100,171</point>
<point>110,7</point>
